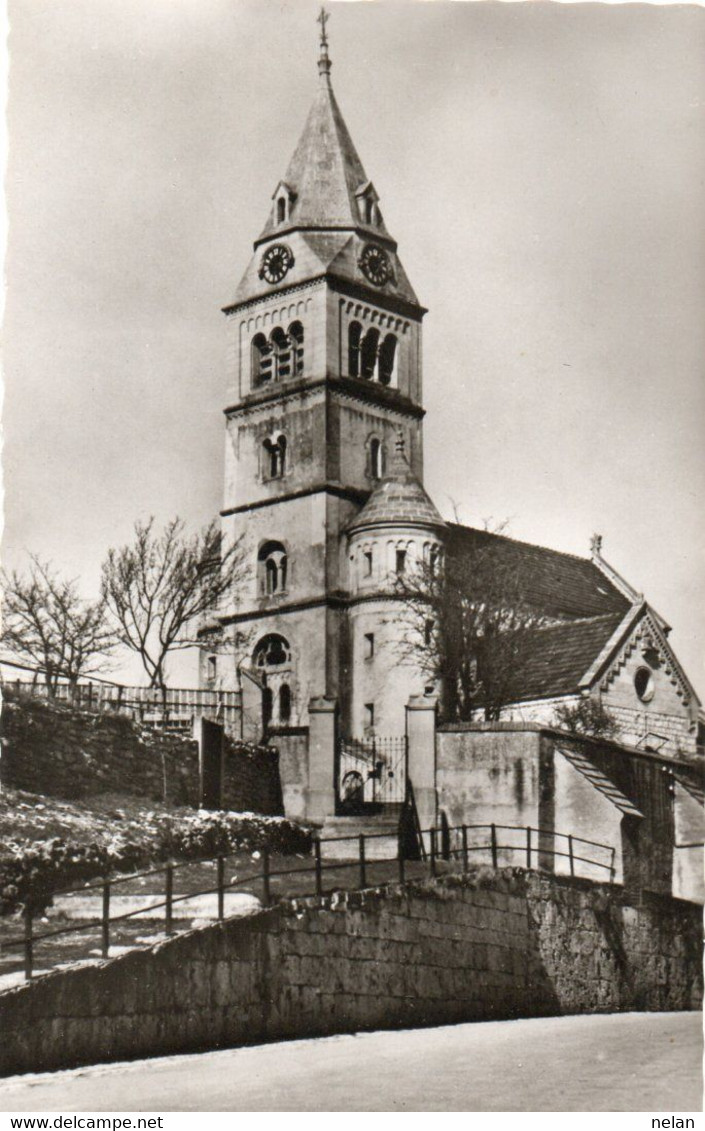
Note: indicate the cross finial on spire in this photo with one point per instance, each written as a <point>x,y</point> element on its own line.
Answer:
<point>324,63</point>
<point>596,544</point>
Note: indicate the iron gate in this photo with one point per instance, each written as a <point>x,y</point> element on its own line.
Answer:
<point>371,773</point>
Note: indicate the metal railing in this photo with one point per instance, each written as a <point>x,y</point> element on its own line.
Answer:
<point>174,708</point>
<point>443,846</point>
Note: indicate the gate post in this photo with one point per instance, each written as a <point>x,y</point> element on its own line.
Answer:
<point>322,739</point>
<point>421,738</point>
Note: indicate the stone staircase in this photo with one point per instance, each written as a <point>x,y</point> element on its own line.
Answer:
<point>380,826</point>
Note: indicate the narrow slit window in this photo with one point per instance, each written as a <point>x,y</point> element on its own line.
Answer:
<point>367,561</point>
<point>369,715</point>
<point>401,561</point>
<point>369,645</point>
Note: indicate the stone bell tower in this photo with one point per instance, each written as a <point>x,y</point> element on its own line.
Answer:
<point>324,372</point>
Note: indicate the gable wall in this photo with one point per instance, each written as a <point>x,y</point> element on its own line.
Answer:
<point>665,714</point>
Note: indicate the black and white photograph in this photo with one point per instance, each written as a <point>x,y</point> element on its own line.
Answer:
<point>352,746</point>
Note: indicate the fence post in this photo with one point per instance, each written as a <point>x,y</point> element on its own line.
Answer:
<point>612,867</point>
<point>464,833</point>
<point>221,887</point>
<point>433,851</point>
<point>319,876</point>
<point>105,924</point>
<point>528,846</point>
<point>570,855</point>
<point>400,855</point>
<point>363,869</point>
<point>493,844</point>
<point>28,944</point>
<point>266,891</point>
<point>169,886</point>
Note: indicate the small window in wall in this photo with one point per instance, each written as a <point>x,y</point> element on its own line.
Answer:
<point>273,568</point>
<point>644,684</point>
<point>284,703</point>
<point>428,632</point>
<point>434,558</point>
<point>367,561</point>
<point>281,210</point>
<point>274,457</point>
<point>267,705</point>
<point>376,458</point>
<point>211,668</point>
<point>400,561</point>
<point>369,649</point>
<point>369,715</point>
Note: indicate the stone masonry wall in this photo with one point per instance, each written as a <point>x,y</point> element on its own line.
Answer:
<point>459,948</point>
<point>56,750</point>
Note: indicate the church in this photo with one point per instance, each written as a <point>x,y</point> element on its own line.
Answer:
<point>324,469</point>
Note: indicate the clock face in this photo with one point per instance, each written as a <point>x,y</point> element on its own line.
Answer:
<point>375,264</point>
<point>276,261</point>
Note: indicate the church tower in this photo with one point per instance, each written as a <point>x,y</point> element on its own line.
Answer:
<point>324,362</point>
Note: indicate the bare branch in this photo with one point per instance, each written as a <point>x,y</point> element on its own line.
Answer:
<point>161,587</point>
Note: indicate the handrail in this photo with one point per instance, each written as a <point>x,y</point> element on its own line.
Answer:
<point>533,850</point>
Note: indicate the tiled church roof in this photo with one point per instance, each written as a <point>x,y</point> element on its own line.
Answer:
<point>560,655</point>
<point>398,499</point>
<point>558,584</point>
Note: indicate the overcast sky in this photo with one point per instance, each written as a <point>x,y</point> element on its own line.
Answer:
<point>542,167</point>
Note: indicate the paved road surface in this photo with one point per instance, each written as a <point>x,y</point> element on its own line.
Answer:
<point>617,1062</point>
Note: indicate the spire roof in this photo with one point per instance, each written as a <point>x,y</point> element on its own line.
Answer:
<point>398,499</point>
<point>325,180</point>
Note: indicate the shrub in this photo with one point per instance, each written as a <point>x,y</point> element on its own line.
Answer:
<point>588,717</point>
<point>31,873</point>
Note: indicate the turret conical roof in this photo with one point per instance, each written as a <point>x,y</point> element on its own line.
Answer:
<point>399,499</point>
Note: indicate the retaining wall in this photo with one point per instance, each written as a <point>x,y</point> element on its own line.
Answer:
<point>459,948</point>
<point>55,749</point>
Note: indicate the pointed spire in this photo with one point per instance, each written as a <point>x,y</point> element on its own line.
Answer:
<point>324,63</point>
<point>325,178</point>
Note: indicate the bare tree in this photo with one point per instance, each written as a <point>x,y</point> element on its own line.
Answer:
<point>468,622</point>
<point>46,622</point>
<point>160,587</point>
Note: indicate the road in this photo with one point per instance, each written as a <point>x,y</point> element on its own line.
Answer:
<point>614,1062</point>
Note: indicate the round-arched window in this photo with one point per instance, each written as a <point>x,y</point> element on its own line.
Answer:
<point>272,662</point>
<point>644,684</point>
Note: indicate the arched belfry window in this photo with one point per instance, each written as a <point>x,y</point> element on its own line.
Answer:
<point>262,359</point>
<point>296,338</point>
<point>282,350</point>
<point>354,338</point>
<point>387,355</point>
<point>274,457</point>
<point>273,568</point>
<point>368,354</point>
<point>281,210</point>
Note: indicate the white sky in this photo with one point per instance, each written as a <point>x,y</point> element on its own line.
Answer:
<point>542,167</point>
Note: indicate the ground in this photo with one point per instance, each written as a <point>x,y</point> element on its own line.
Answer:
<point>613,1062</point>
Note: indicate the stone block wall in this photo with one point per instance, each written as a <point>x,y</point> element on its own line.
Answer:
<point>459,948</point>
<point>53,749</point>
<point>251,779</point>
